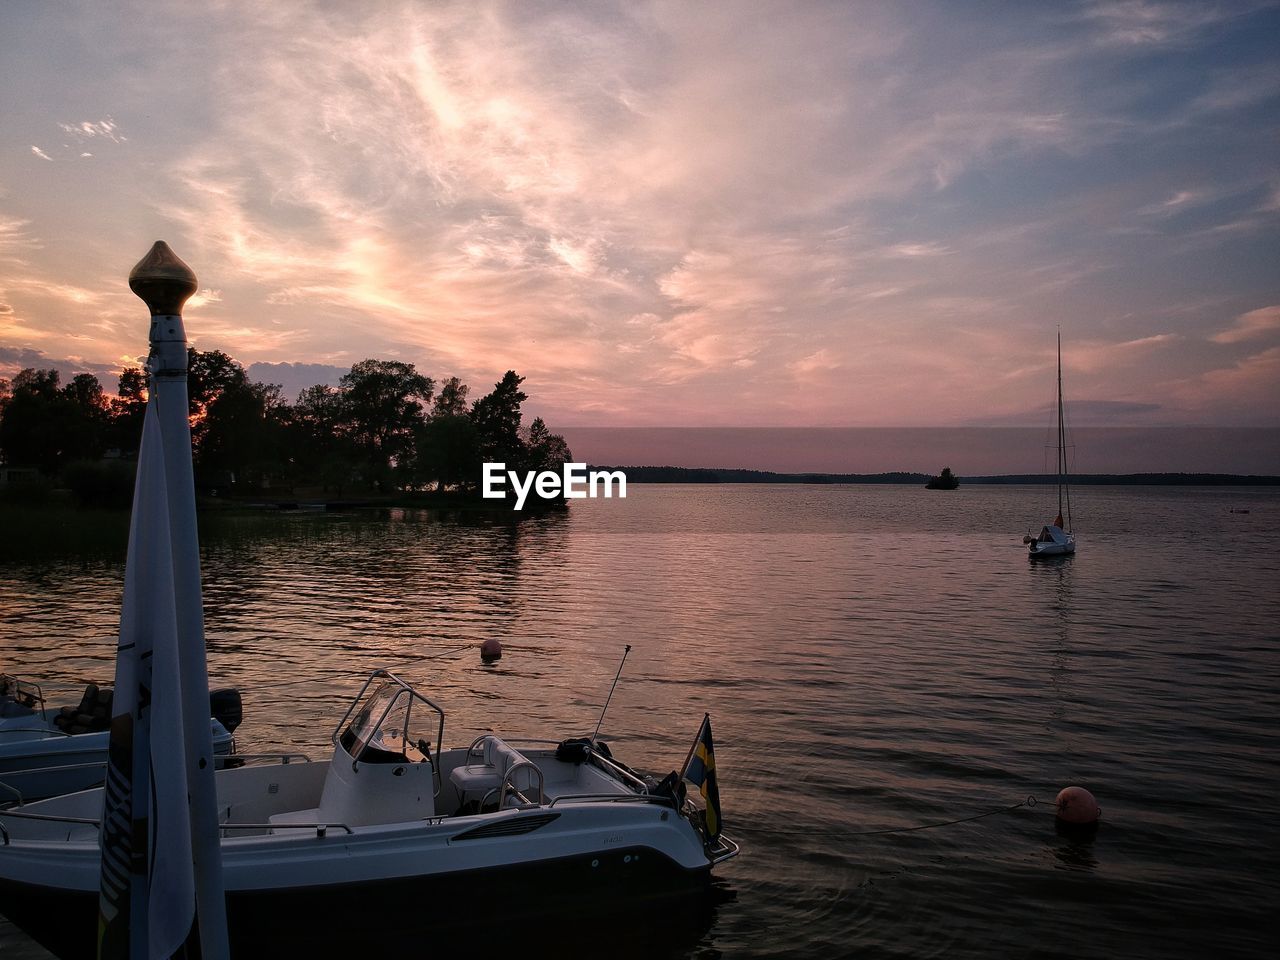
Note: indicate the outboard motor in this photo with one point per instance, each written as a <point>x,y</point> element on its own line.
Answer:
<point>672,787</point>
<point>226,707</point>
<point>574,750</point>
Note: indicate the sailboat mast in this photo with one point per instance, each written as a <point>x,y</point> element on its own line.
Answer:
<point>1063,489</point>
<point>1062,440</point>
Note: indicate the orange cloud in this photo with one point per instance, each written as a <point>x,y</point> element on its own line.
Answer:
<point>1251,326</point>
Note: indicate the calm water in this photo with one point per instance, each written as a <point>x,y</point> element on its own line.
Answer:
<point>872,658</point>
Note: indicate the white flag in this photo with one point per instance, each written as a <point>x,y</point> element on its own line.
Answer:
<point>149,685</point>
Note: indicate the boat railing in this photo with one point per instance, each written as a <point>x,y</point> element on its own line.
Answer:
<point>42,817</point>
<point>60,768</point>
<point>13,790</point>
<point>321,829</point>
<point>51,770</point>
<point>724,849</point>
<point>221,762</point>
<point>46,731</point>
<point>50,817</point>
<point>656,798</point>
<point>508,783</point>
<point>599,759</point>
<point>521,741</point>
<point>520,798</point>
<point>619,771</point>
<point>244,759</point>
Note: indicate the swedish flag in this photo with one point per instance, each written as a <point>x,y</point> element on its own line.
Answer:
<point>700,770</point>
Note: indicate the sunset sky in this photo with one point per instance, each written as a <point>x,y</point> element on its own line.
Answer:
<point>666,213</point>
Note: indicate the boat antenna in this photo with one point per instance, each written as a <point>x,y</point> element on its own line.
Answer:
<point>610,697</point>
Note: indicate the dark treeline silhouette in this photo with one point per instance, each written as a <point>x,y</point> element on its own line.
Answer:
<point>737,475</point>
<point>384,429</point>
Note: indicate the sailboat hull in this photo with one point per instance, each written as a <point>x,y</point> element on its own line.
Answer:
<point>1052,542</point>
<point>1051,550</point>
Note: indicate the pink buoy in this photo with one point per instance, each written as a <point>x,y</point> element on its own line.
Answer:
<point>1076,807</point>
<point>490,651</point>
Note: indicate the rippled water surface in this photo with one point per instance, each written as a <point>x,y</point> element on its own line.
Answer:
<point>873,657</point>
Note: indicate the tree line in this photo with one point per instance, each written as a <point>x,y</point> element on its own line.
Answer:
<point>385,428</point>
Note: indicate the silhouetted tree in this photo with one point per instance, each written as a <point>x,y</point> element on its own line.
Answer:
<point>128,409</point>
<point>45,426</point>
<point>209,373</point>
<point>374,428</point>
<point>545,450</point>
<point>88,417</point>
<point>447,453</point>
<point>36,383</point>
<point>452,399</point>
<point>85,392</point>
<point>383,407</point>
<point>239,433</point>
<point>497,419</point>
<point>316,440</point>
<point>27,428</point>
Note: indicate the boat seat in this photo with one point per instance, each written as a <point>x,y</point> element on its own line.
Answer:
<point>295,821</point>
<point>93,713</point>
<point>480,778</point>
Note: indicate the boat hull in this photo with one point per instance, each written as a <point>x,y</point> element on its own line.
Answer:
<point>286,876</point>
<point>1047,550</point>
<point>454,907</point>
<point>40,765</point>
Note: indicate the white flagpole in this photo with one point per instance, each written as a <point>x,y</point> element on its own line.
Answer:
<point>165,283</point>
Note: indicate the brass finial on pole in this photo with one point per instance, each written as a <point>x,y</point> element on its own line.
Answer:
<point>163,281</point>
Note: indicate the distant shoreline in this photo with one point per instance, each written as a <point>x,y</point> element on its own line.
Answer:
<point>649,474</point>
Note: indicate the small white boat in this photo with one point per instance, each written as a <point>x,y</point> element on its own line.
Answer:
<point>45,752</point>
<point>394,837</point>
<point>1055,539</point>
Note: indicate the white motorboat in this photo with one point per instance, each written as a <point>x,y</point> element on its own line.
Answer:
<point>393,837</point>
<point>1055,539</point>
<point>45,752</point>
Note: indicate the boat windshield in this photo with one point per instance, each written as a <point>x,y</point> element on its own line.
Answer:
<point>381,731</point>
<point>18,698</point>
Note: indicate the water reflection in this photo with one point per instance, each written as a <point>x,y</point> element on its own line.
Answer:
<point>1076,850</point>
<point>1052,578</point>
<point>870,657</point>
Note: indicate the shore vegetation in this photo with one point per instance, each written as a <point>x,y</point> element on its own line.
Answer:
<point>383,434</point>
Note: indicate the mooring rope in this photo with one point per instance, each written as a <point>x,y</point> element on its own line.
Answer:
<point>1029,802</point>
<point>311,678</point>
<point>347,674</point>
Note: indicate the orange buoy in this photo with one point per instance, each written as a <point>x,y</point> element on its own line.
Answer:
<point>490,651</point>
<point>1076,807</point>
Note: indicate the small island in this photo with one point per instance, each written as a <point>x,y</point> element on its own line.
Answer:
<point>946,480</point>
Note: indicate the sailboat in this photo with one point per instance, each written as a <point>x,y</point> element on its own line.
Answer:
<point>1056,539</point>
